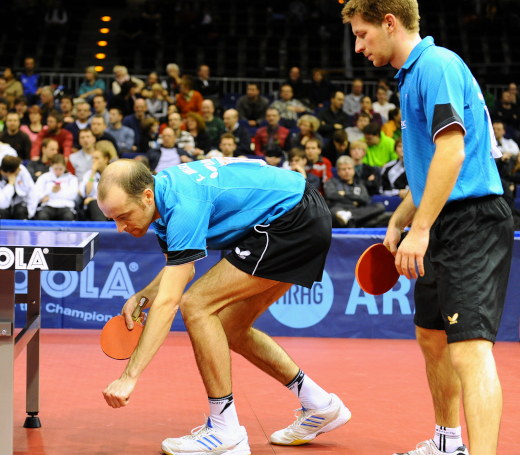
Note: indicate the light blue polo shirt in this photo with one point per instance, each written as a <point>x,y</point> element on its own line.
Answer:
<point>437,89</point>
<point>213,203</point>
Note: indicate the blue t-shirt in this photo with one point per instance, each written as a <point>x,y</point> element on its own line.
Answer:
<point>213,203</point>
<point>437,89</point>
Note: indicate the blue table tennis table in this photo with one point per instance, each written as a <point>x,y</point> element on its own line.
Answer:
<point>33,251</point>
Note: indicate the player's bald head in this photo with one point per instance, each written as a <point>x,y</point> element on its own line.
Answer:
<point>132,176</point>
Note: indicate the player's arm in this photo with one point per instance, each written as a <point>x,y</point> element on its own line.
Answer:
<point>173,280</point>
<point>442,176</point>
<point>401,218</point>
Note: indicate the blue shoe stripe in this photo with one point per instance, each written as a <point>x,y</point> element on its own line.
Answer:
<point>205,445</point>
<point>317,417</point>
<point>206,438</point>
<point>307,425</point>
<point>216,439</point>
<point>314,421</point>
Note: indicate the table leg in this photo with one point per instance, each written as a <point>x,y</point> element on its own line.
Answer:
<point>33,353</point>
<point>6,361</point>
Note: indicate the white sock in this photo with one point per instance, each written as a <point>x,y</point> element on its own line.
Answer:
<point>222,414</point>
<point>447,439</point>
<point>310,394</point>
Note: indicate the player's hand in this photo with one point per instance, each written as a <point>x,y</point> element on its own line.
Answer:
<point>117,394</point>
<point>392,238</point>
<point>128,309</point>
<point>409,259</point>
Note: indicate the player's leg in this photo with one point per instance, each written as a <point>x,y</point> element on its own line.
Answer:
<point>474,363</point>
<point>443,381</point>
<point>321,411</point>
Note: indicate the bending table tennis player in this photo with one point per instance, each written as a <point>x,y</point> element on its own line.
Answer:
<point>278,231</point>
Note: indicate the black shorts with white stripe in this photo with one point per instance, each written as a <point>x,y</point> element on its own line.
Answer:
<point>291,249</point>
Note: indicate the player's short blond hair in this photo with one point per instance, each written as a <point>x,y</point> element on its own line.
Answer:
<point>374,11</point>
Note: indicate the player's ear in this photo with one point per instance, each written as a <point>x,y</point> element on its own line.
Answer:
<point>389,22</point>
<point>148,196</point>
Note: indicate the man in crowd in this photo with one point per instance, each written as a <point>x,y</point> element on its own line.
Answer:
<point>123,135</point>
<point>272,135</point>
<point>252,105</point>
<point>16,138</point>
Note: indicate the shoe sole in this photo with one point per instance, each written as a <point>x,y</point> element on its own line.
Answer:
<point>241,449</point>
<point>344,416</point>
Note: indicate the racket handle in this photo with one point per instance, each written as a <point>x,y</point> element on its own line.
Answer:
<point>137,311</point>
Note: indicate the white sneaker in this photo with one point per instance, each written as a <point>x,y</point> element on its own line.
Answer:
<point>344,216</point>
<point>429,448</point>
<point>313,422</point>
<point>205,439</point>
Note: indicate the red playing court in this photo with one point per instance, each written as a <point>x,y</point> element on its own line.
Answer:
<point>381,381</point>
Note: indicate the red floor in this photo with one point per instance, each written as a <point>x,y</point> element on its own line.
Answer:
<point>381,381</point>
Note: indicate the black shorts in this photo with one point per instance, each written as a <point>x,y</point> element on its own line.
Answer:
<point>466,269</point>
<point>291,249</point>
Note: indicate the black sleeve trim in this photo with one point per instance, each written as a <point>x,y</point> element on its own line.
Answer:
<point>184,256</point>
<point>162,244</point>
<point>444,115</point>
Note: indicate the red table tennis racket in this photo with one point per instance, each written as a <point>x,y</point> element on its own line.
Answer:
<point>375,270</point>
<point>116,340</point>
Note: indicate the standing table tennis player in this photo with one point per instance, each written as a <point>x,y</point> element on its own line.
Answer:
<point>461,235</point>
<point>278,230</point>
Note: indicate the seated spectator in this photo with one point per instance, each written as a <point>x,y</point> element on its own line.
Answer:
<point>317,164</point>
<point>509,114</point>
<point>81,122</point>
<point>392,128</point>
<point>151,79</point>
<point>150,135</point>
<point>184,140</point>
<point>21,108</point>
<point>6,149</point>
<point>81,161</point>
<point>348,199</point>
<point>99,127</point>
<point>47,103</point>
<point>125,99</point>
<point>38,167</point>
<point>332,118</point>
<point>274,156</point>
<point>295,80</point>
<point>123,135</point>
<point>156,103</point>
<point>288,106</point>
<point>228,145</point>
<point>339,145</point>
<point>508,147</point>
<point>214,125</point>
<point>188,99</point>
<point>172,81</point>
<point>135,120</point>
<point>382,106</point>
<point>240,132</point>
<point>89,183</point>
<point>54,130</point>
<point>393,175</point>
<point>67,108</point>
<point>352,104</point>
<point>369,175</point>
<point>3,113</point>
<point>17,196</point>
<point>107,146</point>
<point>120,76</point>
<point>380,147</point>
<point>272,135</point>
<point>298,162</point>
<point>13,87</point>
<point>319,90</point>
<point>56,191</point>
<point>167,154</point>
<point>197,128</point>
<point>99,106</point>
<point>204,85</point>
<point>16,138</point>
<point>308,125</point>
<point>252,106</point>
<point>355,133</point>
<point>91,86</point>
<point>30,79</point>
<point>366,106</point>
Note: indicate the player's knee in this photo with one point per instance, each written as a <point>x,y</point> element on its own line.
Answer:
<point>191,309</point>
<point>433,343</point>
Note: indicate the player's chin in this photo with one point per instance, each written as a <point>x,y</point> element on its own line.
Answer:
<point>137,232</point>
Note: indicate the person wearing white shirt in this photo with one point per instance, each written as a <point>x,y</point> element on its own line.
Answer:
<point>508,147</point>
<point>81,160</point>
<point>6,149</point>
<point>88,186</point>
<point>382,106</point>
<point>17,196</point>
<point>56,191</point>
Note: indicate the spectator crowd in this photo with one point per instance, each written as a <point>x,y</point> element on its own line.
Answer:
<point>54,146</point>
